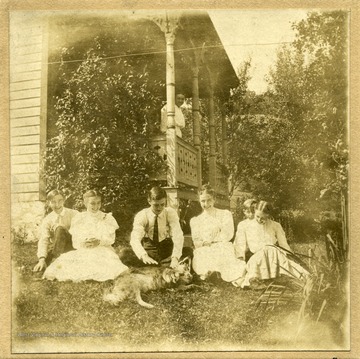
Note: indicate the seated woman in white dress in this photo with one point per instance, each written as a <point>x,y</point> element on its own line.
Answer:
<point>93,233</point>
<point>266,240</point>
<point>211,233</point>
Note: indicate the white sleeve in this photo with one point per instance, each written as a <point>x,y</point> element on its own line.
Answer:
<point>179,117</point>
<point>109,226</point>
<point>280,236</point>
<point>196,232</point>
<point>77,235</point>
<point>227,227</point>
<point>240,241</point>
<point>176,232</point>
<point>44,237</point>
<point>138,233</point>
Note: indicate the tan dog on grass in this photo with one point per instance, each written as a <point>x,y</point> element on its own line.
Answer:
<point>131,283</point>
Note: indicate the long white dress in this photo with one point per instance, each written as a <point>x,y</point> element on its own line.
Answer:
<point>99,263</point>
<point>268,261</point>
<point>219,256</point>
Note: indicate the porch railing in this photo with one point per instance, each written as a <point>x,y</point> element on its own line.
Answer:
<point>186,164</point>
<point>186,159</point>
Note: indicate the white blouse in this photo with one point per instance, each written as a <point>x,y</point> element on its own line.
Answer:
<point>218,227</point>
<point>97,225</point>
<point>254,236</point>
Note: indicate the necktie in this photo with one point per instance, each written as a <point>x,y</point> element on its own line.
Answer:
<point>156,231</point>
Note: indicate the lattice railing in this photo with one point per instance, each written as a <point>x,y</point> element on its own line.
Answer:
<point>187,171</point>
<point>186,156</point>
<point>186,159</point>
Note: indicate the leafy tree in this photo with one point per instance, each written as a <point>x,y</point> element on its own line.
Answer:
<point>264,160</point>
<point>309,83</point>
<point>110,37</point>
<point>296,152</point>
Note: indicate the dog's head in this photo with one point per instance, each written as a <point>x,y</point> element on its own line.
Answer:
<point>179,274</point>
<point>184,268</point>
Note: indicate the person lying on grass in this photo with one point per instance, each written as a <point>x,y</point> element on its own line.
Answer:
<point>93,233</point>
<point>271,255</point>
<point>55,238</point>
<point>212,232</point>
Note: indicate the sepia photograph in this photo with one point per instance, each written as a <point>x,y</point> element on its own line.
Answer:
<point>180,180</point>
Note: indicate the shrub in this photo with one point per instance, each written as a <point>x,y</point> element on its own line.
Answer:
<point>299,226</point>
<point>320,296</point>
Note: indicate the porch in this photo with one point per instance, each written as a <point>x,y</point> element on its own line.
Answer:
<point>203,73</point>
<point>185,53</point>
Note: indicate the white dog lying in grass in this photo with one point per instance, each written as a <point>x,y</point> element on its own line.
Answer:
<point>131,283</point>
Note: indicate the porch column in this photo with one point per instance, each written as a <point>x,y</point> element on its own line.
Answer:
<point>196,120</point>
<point>170,132</point>
<point>212,140</point>
<point>224,142</point>
<point>170,106</point>
<point>169,24</point>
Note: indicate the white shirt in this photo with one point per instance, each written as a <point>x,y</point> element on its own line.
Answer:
<point>48,226</point>
<point>168,225</point>
<point>179,120</point>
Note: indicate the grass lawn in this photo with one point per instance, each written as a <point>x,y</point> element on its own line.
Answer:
<point>71,317</point>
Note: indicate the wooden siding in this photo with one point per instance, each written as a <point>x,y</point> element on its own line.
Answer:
<point>28,96</point>
<point>25,197</point>
<point>25,130</point>
<point>25,178</point>
<point>27,158</point>
<point>28,85</point>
